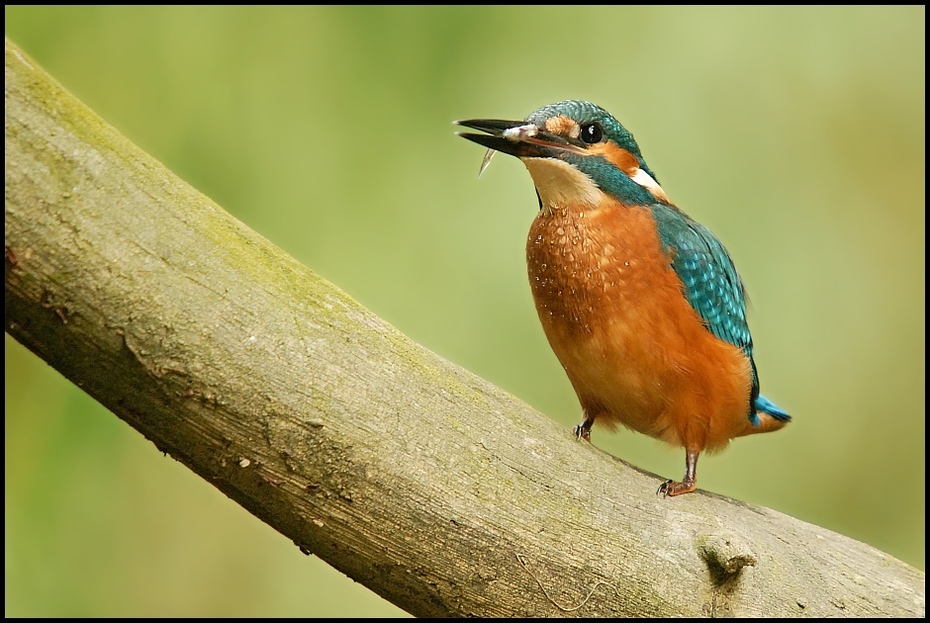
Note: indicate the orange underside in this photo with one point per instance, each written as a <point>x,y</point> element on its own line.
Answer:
<point>634,349</point>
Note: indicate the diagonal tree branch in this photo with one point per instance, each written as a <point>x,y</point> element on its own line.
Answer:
<point>428,485</point>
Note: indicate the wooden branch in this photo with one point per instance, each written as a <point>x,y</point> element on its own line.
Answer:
<point>423,482</point>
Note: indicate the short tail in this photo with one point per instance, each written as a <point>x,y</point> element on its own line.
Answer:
<point>765,405</point>
<point>765,416</point>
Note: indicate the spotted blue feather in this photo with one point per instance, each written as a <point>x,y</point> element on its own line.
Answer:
<point>711,283</point>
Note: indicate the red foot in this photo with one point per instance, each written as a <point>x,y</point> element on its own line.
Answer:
<point>672,488</point>
<point>582,433</point>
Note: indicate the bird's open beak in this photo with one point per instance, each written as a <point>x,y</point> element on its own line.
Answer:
<point>518,138</point>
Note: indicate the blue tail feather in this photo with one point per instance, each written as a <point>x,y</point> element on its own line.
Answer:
<point>765,405</point>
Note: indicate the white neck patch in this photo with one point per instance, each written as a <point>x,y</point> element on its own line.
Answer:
<point>560,184</point>
<point>646,181</point>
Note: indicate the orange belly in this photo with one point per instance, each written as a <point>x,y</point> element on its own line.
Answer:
<point>634,349</point>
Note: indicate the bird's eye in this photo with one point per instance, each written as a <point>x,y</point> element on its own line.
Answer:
<point>591,133</point>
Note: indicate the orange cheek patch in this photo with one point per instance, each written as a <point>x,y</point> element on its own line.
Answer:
<point>629,164</point>
<point>619,157</point>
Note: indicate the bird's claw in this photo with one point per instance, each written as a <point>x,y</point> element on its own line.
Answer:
<point>672,488</point>
<point>581,432</point>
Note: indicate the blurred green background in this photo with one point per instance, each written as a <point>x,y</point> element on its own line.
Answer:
<point>796,134</point>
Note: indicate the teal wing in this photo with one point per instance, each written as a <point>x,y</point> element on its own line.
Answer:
<point>711,284</point>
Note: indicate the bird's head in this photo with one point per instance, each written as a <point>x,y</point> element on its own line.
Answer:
<point>575,151</point>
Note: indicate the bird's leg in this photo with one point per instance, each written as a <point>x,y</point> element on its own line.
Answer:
<point>583,430</point>
<point>688,483</point>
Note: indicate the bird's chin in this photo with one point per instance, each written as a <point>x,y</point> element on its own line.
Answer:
<point>559,184</point>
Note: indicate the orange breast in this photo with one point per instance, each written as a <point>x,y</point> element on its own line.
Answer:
<point>616,316</point>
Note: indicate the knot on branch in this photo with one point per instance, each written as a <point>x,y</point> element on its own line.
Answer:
<point>725,553</point>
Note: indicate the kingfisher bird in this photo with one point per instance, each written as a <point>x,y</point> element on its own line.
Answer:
<point>641,304</point>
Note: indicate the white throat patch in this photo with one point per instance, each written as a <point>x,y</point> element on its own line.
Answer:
<point>560,184</point>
